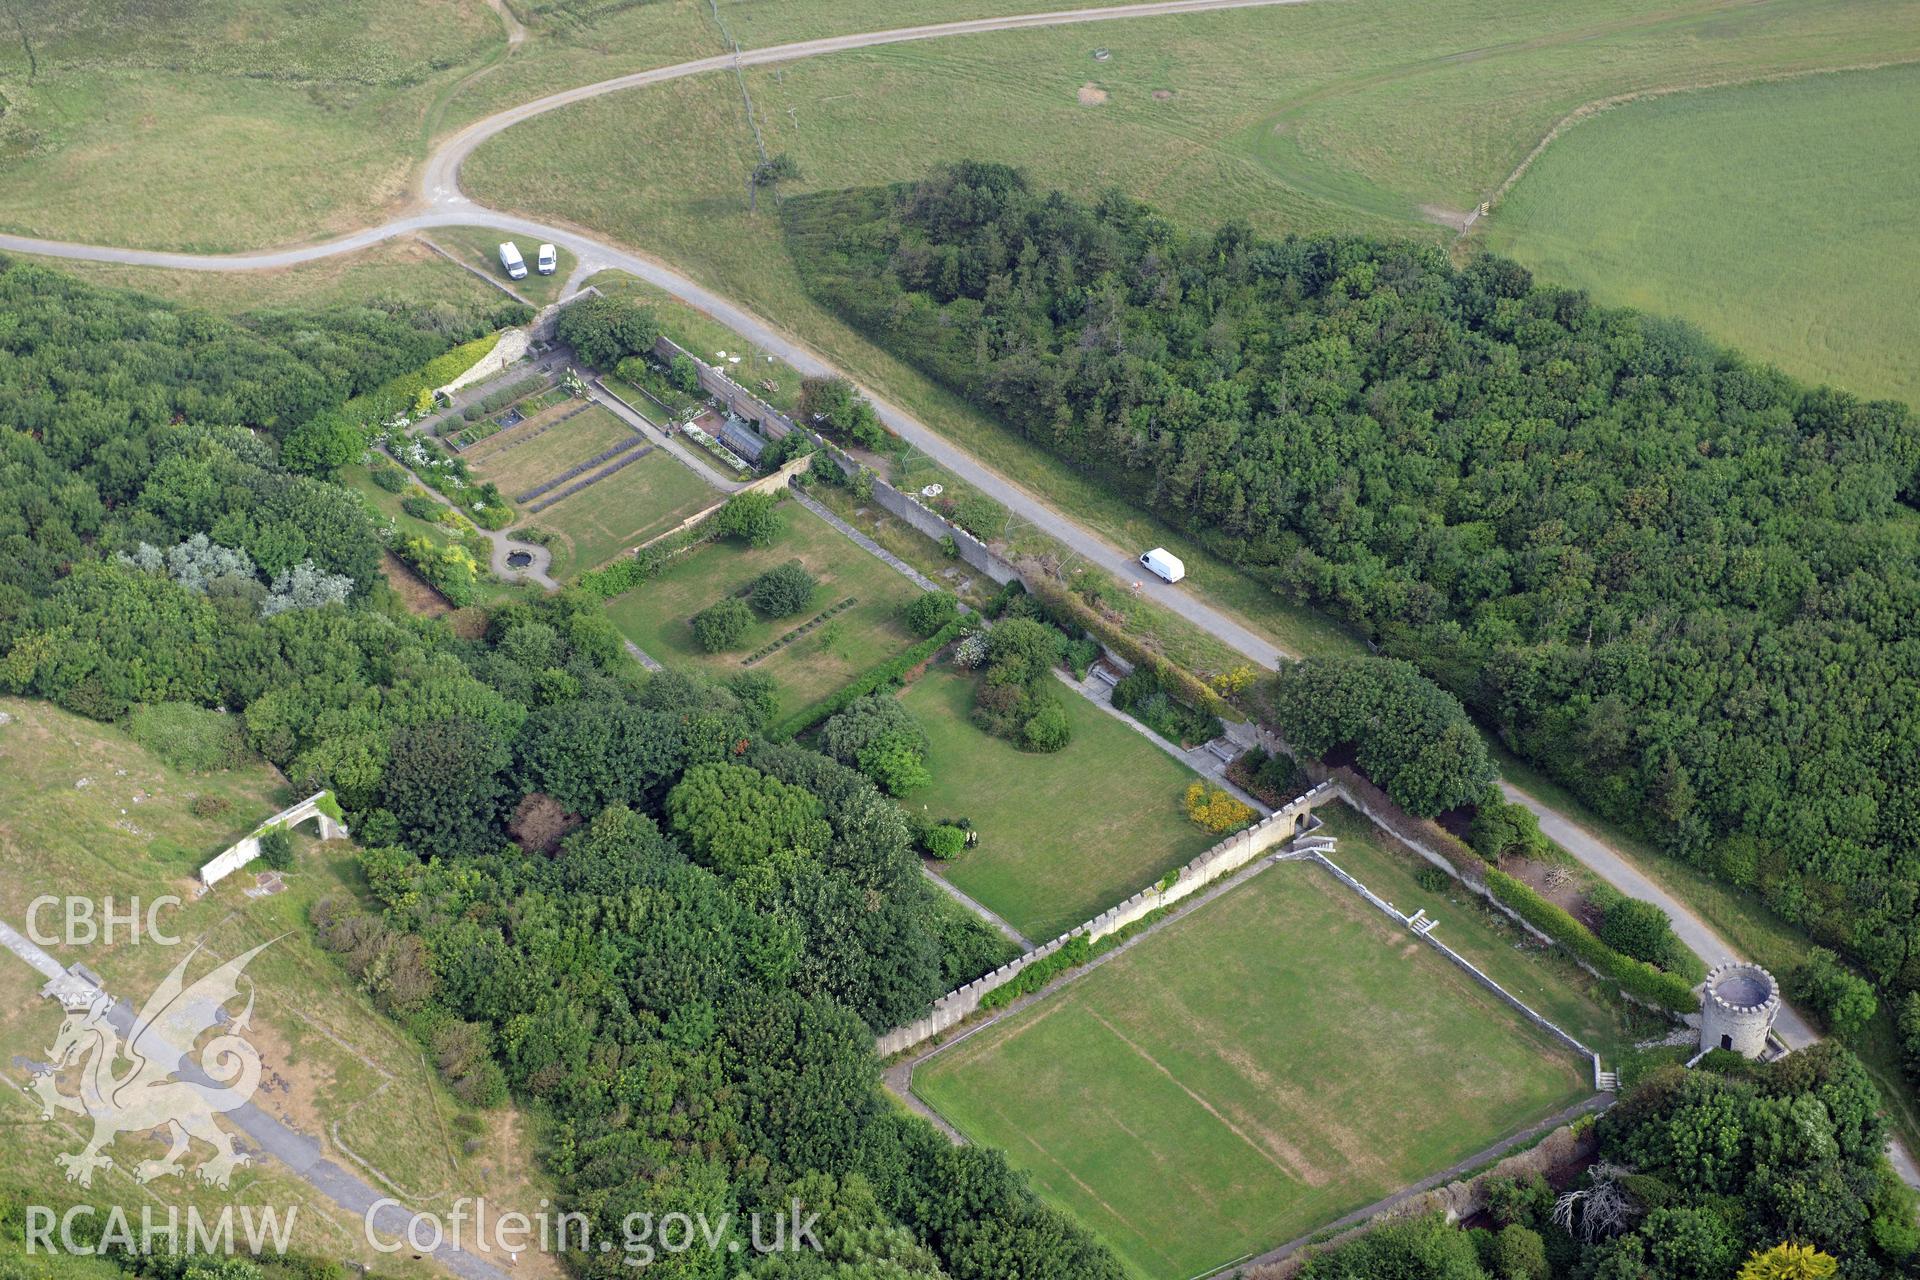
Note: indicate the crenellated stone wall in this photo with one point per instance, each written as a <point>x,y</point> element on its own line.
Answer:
<point>1223,859</point>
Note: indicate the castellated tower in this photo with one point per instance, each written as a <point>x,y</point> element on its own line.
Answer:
<point>1737,1008</point>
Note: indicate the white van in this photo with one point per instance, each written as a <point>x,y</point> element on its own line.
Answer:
<point>510,259</point>
<point>547,261</point>
<point>1162,563</point>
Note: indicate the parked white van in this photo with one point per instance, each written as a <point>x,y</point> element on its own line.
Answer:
<point>510,259</point>
<point>547,260</point>
<point>1162,563</point>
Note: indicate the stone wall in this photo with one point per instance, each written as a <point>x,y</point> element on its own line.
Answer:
<point>247,849</point>
<point>1231,854</point>
<point>739,401</point>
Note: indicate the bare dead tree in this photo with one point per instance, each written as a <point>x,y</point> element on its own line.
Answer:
<point>1604,1208</point>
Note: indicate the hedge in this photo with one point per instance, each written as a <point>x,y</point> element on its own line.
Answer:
<point>887,672</point>
<point>1181,683</point>
<point>1072,954</point>
<point>397,394</point>
<point>1635,977</point>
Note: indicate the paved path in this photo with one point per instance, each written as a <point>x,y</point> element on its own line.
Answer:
<point>272,1137</point>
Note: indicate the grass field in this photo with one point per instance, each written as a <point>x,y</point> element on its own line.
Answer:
<point>479,247</point>
<point>224,124</point>
<point>1063,836</point>
<point>654,615</point>
<point>331,1059</point>
<point>401,269</point>
<point>1780,217</point>
<point>1280,1056</point>
<point>628,507</point>
<point>524,456</point>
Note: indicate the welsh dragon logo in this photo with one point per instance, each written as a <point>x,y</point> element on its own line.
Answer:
<point>151,1079</point>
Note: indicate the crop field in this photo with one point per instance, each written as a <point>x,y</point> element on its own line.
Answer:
<point>86,810</point>
<point>1779,216</point>
<point>479,247</point>
<point>633,504</point>
<point>1039,869</point>
<point>1279,1057</point>
<point>227,124</point>
<point>654,615</point>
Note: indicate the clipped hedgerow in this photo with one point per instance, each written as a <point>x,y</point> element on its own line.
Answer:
<point>887,672</point>
<point>1635,977</point>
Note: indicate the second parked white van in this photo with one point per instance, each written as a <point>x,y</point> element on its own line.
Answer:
<point>547,261</point>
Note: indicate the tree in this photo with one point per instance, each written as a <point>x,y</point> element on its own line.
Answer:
<point>305,587</point>
<point>1641,930</point>
<point>603,331</point>
<point>322,443</point>
<point>738,820</point>
<point>443,782</point>
<point>1518,1254</point>
<point>897,763</point>
<point>929,611</point>
<point>1842,999</point>
<point>834,408</point>
<point>770,173</point>
<point>1414,1249</point>
<point>782,590</point>
<point>753,518</point>
<point>1788,1261</point>
<point>721,625</point>
<point>1500,828</point>
<point>1908,1028</point>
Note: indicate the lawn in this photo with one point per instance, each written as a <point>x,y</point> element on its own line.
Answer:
<point>1778,217</point>
<point>633,504</point>
<point>1545,978</point>
<point>655,615</point>
<point>1063,836</point>
<point>85,810</point>
<point>479,248</point>
<point>1277,1058</point>
<point>546,445</point>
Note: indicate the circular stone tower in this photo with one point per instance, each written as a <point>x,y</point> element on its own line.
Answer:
<point>1737,1007</point>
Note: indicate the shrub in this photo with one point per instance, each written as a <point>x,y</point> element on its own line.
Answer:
<point>1500,828</point>
<point>868,721</point>
<point>195,739</point>
<point>391,478</point>
<point>1215,809</point>
<point>1519,1253</point>
<point>928,612</point>
<point>1839,997</point>
<point>782,590</point>
<point>210,806</point>
<point>276,847</point>
<point>1641,930</point>
<point>1047,729</point>
<point>1145,695</point>
<point>421,507</point>
<point>1433,880</point>
<point>720,626</point>
<point>980,516</point>
<point>944,841</point>
<point>896,762</point>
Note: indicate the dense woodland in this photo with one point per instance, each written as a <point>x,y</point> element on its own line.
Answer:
<point>602,893</point>
<point>1681,582</point>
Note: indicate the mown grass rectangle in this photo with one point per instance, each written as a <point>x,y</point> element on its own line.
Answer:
<point>1277,1058</point>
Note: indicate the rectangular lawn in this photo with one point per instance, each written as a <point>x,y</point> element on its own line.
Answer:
<point>525,456</point>
<point>609,516</point>
<point>655,615</point>
<point>1279,1057</point>
<point>1063,836</point>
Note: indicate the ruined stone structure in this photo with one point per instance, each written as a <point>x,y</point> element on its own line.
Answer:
<point>1737,1007</point>
<point>243,851</point>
